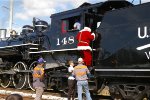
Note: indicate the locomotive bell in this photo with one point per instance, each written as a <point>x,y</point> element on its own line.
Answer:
<point>13,33</point>
<point>41,26</point>
<point>27,29</point>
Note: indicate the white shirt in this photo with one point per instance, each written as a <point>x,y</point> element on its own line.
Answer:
<point>77,25</point>
<point>70,69</point>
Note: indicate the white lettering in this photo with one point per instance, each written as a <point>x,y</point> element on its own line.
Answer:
<point>58,41</point>
<point>147,54</point>
<point>71,40</point>
<point>65,40</point>
<point>145,33</point>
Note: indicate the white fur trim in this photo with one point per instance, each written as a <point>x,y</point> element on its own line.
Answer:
<point>93,35</point>
<point>86,29</point>
<point>84,48</point>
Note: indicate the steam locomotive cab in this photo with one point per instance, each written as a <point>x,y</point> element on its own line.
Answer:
<point>63,33</point>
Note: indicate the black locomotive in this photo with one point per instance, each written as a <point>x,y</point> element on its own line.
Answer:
<point>120,52</point>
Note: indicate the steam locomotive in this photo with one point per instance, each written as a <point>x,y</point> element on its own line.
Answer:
<point>120,52</point>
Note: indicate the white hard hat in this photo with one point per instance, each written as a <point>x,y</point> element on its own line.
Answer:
<point>80,60</point>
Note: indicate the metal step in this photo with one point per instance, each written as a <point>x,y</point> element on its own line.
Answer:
<point>92,85</point>
<point>33,48</point>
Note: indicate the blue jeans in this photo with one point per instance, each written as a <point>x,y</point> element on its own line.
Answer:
<point>39,92</point>
<point>83,84</point>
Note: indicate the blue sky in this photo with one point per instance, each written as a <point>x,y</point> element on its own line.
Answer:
<point>25,10</point>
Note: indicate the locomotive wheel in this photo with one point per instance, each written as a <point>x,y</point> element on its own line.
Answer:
<point>30,78</point>
<point>20,78</point>
<point>6,80</point>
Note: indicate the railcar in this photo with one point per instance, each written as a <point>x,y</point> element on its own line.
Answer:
<point>120,51</point>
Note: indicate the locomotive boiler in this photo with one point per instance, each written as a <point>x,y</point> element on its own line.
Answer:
<point>120,50</point>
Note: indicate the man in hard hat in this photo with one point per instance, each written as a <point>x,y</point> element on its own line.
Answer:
<point>38,79</point>
<point>80,72</point>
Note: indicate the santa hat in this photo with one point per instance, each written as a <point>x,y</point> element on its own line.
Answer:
<point>86,29</point>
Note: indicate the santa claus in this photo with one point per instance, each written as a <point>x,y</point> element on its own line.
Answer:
<point>84,38</point>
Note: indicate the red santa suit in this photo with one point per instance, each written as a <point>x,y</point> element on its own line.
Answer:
<point>84,38</point>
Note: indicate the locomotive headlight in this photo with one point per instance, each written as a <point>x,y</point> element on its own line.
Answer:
<point>41,26</point>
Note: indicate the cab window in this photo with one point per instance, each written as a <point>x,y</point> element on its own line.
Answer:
<point>68,23</point>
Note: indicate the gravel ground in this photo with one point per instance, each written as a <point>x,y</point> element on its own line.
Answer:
<point>30,95</point>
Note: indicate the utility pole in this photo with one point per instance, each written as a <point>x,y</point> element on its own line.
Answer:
<point>11,15</point>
